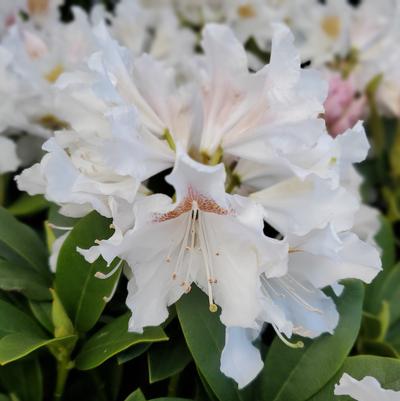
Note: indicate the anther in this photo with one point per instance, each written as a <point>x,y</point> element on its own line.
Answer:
<point>97,241</point>
<point>213,308</point>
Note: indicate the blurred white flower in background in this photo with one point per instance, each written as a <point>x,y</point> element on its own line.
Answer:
<point>367,389</point>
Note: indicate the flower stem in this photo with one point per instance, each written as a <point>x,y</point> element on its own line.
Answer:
<point>63,368</point>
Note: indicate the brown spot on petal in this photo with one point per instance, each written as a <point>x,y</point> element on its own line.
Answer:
<point>205,205</point>
<point>246,11</point>
<point>331,25</point>
<point>37,7</point>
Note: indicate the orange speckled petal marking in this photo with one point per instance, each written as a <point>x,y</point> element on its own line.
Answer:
<point>204,204</point>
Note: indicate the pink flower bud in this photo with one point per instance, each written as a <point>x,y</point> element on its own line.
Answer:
<point>343,106</point>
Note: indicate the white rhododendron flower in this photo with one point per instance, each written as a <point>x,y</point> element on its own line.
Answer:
<point>366,389</point>
<point>294,303</point>
<point>264,201</point>
<point>206,236</point>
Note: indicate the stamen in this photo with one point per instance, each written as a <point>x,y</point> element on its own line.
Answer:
<point>183,247</point>
<point>299,299</point>
<point>103,276</point>
<point>61,228</point>
<point>109,298</point>
<point>212,307</point>
<point>299,284</point>
<point>298,344</point>
<point>195,213</point>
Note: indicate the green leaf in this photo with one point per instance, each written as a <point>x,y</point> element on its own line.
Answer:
<point>385,239</point>
<point>132,352</point>
<point>112,339</point>
<point>14,320</point>
<point>379,348</point>
<point>137,395</point>
<point>27,205</point>
<point>20,244</point>
<point>14,277</point>
<point>167,359</point>
<point>297,374</point>
<point>205,337</point>
<point>17,345</point>
<point>82,294</point>
<point>23,379</point>
<point>390,293</point>
<point>385,370</point>
<point>375,292</point>
<point>20,334</point>
<point>375,327</point>
<point>42,313</point>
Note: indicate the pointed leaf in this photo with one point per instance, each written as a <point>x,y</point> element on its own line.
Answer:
<point>82,294</point>
<point>167,359</point>
<point>14,277</point>
<point>20,244</point>
<point>112,339</point>
<point>137,395</point>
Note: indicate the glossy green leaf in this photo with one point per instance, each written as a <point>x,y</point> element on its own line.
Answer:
<point>297,374</point>
<point>112,339</point>
<point>21,245</point>
<point>27,205</point>
<point>132,352</point>
<point>14,320</point>
<point>42,313</point>
<point>14,277</point>
<point>205,337</point>
<point>23,379</point>
<point>20,334</point>
<point>137,395</point>
<point>17,345</point>
<point>385,370</point>
<point>167,359</point>
<point>82,294</point>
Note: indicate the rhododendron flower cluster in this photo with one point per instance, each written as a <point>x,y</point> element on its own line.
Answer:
<point>221,142</point>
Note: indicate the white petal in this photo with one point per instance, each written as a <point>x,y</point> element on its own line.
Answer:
<point>298,206</point>
<point>353,259</point>
<point>208,181</point>
<point>55,251</point>
<point>9,160</point>
<point>367,389</point>
<point>240,359</point>
<point>31,180</point>
<point>307,308</point>
<point>284,68</point>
